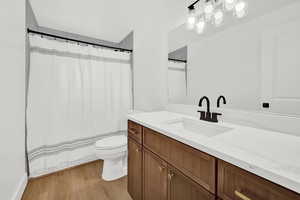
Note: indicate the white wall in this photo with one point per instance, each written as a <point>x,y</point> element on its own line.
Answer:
<point>150,56</point>
<point>12,75</point>
<point>229,62</point>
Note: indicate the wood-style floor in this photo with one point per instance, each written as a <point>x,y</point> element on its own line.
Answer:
<point>79,183</point>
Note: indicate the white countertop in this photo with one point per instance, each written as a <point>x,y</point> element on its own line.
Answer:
<point>272,155</point>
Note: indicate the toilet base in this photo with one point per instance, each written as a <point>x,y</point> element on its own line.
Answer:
<point>114,168</point>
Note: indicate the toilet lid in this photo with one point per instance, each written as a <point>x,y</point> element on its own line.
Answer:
<point>111,142</point>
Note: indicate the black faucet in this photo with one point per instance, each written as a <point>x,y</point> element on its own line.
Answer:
<point>215,115</point>
<point>207,103</point>
<point>218,101</point>
<point>208,116</point>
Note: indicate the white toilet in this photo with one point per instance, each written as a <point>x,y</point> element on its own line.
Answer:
<point>113,151</point>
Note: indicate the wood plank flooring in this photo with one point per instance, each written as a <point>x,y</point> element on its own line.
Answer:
<point>79,183</point>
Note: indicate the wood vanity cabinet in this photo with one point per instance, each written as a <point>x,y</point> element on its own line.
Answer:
<point>135,158</point>
<point>195,164</point>
<point>237,184</point>
<point>161,168</point>
<point>164,182</point>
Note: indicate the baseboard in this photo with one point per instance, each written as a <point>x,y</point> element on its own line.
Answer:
<point>21,188</point>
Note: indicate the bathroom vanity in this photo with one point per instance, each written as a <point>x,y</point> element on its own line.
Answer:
<point>168,160</point>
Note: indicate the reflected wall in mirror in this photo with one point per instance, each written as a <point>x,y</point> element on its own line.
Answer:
<point>250,61</point>
<point>177,76</point>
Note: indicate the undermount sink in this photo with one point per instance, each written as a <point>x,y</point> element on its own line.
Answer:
<point>197,126</point>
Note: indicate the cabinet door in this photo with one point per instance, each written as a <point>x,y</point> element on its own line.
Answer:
<point>135,158</point>
<point>155,177</point>
<point>182,188</point>
<point>237,184</point>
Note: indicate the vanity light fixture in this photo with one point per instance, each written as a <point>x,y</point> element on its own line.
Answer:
<point>191,21</point>
<point>208,10</point>
<point>218,17</point>
<point>240,9</point>
<point>200,26</point>
<point>229,4</point>
<point>213,11</point>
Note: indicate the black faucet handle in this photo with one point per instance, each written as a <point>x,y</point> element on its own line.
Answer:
<point>214,116</point>
<point>202,114</point>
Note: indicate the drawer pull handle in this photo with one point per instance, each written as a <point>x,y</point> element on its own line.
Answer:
<point>241,195</point>
<point>170,175</point>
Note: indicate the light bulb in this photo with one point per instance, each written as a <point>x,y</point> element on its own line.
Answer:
<point>200,26</point>
<point>229,1</point>
<point>191,21</point>
<point>240,9</point>
<point>229,4</point>
<point>208,10</point>
<point>218,17</point>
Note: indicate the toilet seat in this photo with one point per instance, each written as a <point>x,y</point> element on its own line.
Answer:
<point>112,142</point>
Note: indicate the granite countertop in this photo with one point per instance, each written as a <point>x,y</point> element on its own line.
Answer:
<point>272,155</point>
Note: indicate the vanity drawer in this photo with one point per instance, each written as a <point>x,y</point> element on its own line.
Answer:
<point>157,143</point>
<point>135,131</point>
<point>195,164</point>
<point>237,184</point>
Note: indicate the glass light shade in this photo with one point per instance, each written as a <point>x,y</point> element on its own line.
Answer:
<point>191,21</point>
<point>218,17</point>
<point>200,26</point>
<point>229,4</point>
<point>208,10</point>
<point>240,9</point>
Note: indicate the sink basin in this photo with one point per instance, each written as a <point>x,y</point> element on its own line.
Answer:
<point>198,127</point>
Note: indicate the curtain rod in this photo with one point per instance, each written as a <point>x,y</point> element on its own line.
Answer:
<point>176,60</point>
<point>79,41</point>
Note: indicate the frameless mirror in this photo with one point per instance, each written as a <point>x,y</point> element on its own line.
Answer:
<point>253,61</point>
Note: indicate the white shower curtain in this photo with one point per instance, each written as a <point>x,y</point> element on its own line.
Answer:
<point>77,94</point>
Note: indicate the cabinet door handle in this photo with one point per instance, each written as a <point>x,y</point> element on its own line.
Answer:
<point>170,175</point>
<point>241,195</point>
<point>137,150</point>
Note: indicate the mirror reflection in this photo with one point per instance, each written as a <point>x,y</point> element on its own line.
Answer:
<point>253,61</point>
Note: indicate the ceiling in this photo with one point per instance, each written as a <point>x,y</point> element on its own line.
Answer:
<point>113,20</point>
<point>102,19</point>
<point>180,36</point>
